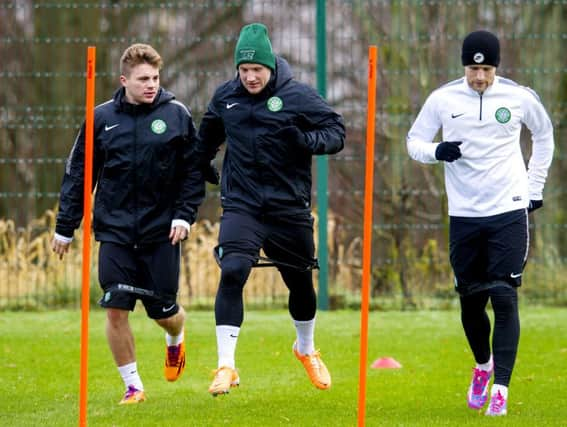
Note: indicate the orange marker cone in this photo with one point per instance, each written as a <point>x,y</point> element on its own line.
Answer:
<point>386,363</point>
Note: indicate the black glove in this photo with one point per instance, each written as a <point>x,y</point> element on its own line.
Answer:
<point>292,134</point>
<point>211,174</point>
<point>448,151</point>
<point>535,204</point>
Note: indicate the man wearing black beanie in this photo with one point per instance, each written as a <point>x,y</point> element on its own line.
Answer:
<point>490,194</point>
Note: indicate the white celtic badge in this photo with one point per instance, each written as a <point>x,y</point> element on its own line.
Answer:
<point>158,126</point>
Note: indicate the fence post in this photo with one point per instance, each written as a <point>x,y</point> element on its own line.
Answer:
<point>322,164</point>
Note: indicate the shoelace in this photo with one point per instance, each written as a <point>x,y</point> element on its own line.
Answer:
<point>480,380</point>
<point>130,392</point>
<point>314,360</point>
<point>221,375</point>
<point>173,354</point>
<point>497,403</point>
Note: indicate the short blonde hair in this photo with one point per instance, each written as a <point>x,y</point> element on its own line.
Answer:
<point>137,54</point>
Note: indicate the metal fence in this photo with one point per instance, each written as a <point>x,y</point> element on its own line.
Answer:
<point>43,47</point>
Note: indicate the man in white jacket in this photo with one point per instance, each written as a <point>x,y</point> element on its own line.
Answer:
<point>490,194</point>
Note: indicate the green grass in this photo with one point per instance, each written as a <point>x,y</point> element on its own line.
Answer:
<point>40,353</point>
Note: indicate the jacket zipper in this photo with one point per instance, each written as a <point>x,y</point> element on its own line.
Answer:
<point>136,219</point>
<point>480,112</point>
<point>257,153</point>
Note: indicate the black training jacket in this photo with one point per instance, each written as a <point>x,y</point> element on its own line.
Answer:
<point>262,172</point>
<point>141,170</point>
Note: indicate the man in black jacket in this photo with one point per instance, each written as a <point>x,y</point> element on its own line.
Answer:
<point>146,198</point>
<point>272,125</point>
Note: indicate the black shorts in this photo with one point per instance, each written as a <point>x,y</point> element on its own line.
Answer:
<point>488,250</point>
<point>149,273</point>
<point>288,239</point>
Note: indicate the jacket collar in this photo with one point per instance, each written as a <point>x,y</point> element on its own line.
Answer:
<point>121,104</point>
<point>281,75</point>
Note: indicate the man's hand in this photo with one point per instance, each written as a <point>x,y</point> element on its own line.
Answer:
<point>291,134</point>
<point>211,174</point>
<point>534,204</point>
<point>178,233</point>
<point>448,151</point>
<point>60,247</point>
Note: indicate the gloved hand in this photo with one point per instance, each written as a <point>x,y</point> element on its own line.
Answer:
<point>448,151</point>
<point>292,134</point>
<point>211,174</point>
<point>535,204</point>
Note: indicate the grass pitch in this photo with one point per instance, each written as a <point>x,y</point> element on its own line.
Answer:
<point>40,356</point>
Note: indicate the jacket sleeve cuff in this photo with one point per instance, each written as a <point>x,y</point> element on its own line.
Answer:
<point>62,238</point>
<point>182,223</point>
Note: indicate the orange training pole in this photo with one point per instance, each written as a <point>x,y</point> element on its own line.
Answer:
<point>87,208</point>
<point>367,230</point>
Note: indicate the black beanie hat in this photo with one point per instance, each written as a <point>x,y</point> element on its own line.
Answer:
<point>481,48</point>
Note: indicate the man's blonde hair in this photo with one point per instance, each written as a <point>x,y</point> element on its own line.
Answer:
<point>137,54</point>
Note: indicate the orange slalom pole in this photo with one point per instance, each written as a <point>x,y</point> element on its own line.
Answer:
<point>367,230</point>
<point>87,209</point>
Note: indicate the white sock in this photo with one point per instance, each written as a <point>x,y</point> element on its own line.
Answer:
<point>485,366</point>
<point>130,376</point>
<point>227,336</point>
<point>174,340</point>
<point>305,330</point>
<point>499,388</point>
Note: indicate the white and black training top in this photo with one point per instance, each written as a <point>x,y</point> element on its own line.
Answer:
<point>490,178</point>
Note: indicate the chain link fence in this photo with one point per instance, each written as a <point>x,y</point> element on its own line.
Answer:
<point>43,46</point>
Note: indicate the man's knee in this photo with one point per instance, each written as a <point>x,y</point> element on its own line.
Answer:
<point>174,322</point>
<point>116,317</point>
<point>504,298</point>
<point>235,271</point>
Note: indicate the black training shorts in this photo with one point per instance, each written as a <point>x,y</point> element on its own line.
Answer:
<point>285,239</point>
<point>149,273</point>
<point>490,249</point>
